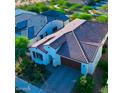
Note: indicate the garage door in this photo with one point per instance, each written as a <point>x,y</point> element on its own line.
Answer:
<point>71,63</point>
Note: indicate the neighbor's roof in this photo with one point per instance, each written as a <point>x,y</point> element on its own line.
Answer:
<point>20,11</point>
<point>33,19</point>
<point>56,15</point>
<point>79,40</point>
<point>77,1</point>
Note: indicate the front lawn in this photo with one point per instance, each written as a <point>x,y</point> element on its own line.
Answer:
<point>31,72</point>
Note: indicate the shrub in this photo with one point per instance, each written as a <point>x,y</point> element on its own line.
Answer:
<point>102,18</point>
<point>85,16</point>
<point>104,7</point>
<point>103,65</point>
<point>86,8</point>
<point>103,50</point>
<point>105,78</point>
<point>52,2</point>
<point>97,0</point>
<point>104,89</point>
<point>85,84</point>
<point>21,44</point>
<point>37,7</point>
<point>74,7</point>
<point>74,16</point>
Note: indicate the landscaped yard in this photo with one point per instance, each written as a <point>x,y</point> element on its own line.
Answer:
<point>31,72</point>
<point>72,10</point>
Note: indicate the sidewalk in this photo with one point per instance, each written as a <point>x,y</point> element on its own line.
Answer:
<point>27,87</point>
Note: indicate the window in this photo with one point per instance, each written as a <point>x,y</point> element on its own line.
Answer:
<point>34,54</point>
<point>46,33</point>
<point>41,36</point>
<point>31,32</point>
<point>21,25</point>
<point>54,29</point>
<point>37,55</point>
<point>40,56</point>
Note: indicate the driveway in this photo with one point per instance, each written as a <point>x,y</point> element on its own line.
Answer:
<point>62,80</point>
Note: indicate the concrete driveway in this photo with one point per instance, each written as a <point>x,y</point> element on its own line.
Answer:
<point>62,80</point>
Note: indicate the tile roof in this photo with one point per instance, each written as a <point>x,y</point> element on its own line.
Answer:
<point>55,14</point>
<point>20,11</point>
<point>32,20</point>
<point>78,40</point>
<point>91,32</point>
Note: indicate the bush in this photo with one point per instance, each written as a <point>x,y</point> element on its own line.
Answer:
<point>104,66</point>
<point>103,50</point>
<point>85,16</point>
<point>86,8</point>
<point>52,2</point>
<point>105,78</point>
<point>37,7</point>
<point>102,18</point>
<point>85,84</point>
<point>21,45</point>
<point>104,89</point>
<point>97,0</point>
<point>104,7</point>
<point>74,16</point>
<point>74,7</point>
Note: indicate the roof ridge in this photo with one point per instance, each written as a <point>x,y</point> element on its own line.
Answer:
<point>92,43</point>
<point>80,47</point>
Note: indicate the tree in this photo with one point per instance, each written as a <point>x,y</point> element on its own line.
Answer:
<point>21,44</point>
<point>102,18</point>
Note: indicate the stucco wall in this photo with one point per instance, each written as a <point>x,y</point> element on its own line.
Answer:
<point>93,65</point>
<point>45,60</point>
<point>49,27</point>
<point>66,22</point>
<point>84,68</point>
<point>55,57</point>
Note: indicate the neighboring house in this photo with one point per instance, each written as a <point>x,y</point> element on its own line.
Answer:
<point>78,45</point>
<point>35,26</point>
<point>80,1</point>
<point>57,15</point>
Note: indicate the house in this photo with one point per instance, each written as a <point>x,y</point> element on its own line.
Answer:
<point>56,15</point>
<point>36,26</point>
<point>78,45</point>
<point>80,1</point>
